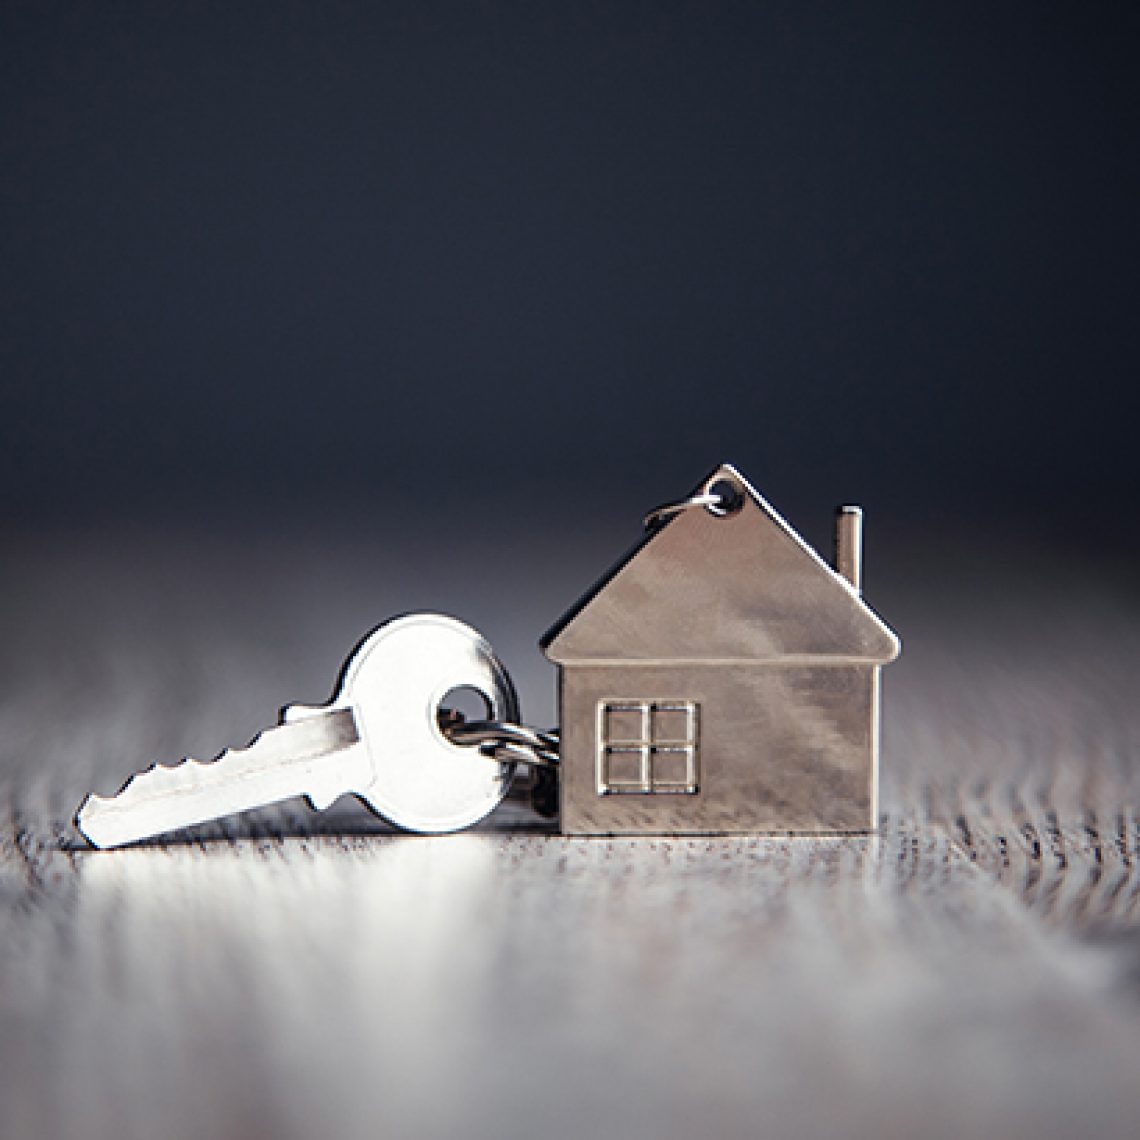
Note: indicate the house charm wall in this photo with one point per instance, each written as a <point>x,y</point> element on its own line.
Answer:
<point>722,678</point>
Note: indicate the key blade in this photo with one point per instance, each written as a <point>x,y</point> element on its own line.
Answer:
<point>306,757</point>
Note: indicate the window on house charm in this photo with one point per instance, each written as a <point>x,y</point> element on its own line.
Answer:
<point>647,747</point>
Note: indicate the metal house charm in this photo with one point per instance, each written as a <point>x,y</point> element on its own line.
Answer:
<point>722,678</point>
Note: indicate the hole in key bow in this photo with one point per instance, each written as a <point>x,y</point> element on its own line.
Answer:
<point>462,704</point>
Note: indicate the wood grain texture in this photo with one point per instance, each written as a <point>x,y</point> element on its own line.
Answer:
<point>974,970</point>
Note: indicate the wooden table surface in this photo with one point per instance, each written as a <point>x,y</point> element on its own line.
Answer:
<point>974,970</point>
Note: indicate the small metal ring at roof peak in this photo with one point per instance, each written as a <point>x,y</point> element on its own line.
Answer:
<point>719,503</point>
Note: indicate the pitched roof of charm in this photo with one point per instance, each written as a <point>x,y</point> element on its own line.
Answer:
<point>703,586</point>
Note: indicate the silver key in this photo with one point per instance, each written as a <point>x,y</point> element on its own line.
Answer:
<point>379,738</point>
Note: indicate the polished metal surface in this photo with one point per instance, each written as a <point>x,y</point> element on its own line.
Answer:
<point>730,613</point>
<point>378,739</point>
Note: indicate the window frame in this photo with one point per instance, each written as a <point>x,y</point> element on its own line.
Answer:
<point>647,746</point>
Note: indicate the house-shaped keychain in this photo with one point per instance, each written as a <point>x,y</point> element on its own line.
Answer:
<point>722,678</point>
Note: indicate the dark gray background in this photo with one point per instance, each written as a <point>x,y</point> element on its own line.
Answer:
<point>495,259</point>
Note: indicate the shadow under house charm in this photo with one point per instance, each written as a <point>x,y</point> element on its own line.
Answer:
<point>721,678</point>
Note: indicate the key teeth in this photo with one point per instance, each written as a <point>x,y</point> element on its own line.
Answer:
<point>167,798</point>
<point>96,807</point>
<point>150,780</point>
<point>162,772</point>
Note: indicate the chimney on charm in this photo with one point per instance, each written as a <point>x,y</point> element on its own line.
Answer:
<point>849,545</point>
